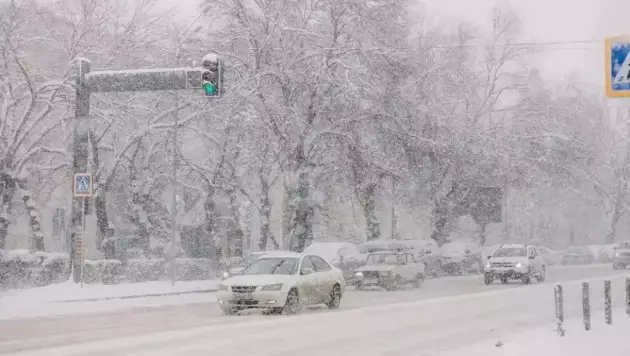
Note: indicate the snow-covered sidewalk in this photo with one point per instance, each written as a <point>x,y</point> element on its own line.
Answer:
<point>69,297</point>
<point>602,339</point>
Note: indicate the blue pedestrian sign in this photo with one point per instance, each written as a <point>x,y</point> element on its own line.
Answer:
<point>618,67</point>
<point>83,185</point>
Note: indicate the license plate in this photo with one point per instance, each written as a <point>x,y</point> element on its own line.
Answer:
<point>371,281</point>
<point>243,296</point>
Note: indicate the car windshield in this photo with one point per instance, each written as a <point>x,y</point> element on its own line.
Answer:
<point>379,259</point>
<point>511,252</point>
<point>247,260</point>
<point>624,245</point>
<point>275,265</point>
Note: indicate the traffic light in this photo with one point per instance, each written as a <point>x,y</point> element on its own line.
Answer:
<point>211,76</point>
<point>209,83</point>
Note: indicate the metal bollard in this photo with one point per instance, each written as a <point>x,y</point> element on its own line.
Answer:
<point>586,306</point>
<point>628,295</point>
<point>559,301</point>
<point>607,303</point>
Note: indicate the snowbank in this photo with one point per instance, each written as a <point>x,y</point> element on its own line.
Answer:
<point>602,339</point>
<point>44,300</point>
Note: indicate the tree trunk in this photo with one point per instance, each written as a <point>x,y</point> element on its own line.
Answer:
<point>368,203</point>
<point>34,216</point>
<point>439,219</point>
<point>139,218</point>
<point>100,202</point>
<point>265,217</point>
<point>7,193</point>
<point>207,241</point>
<point>288,208</point>
<point>237,243</point>
<point>302,232</point>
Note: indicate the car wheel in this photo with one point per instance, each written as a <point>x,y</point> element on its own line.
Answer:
<point>292,305</point>
<point>504,280</point>
<point>335,297</point>
<point>527,279</point>
<point>230,311</point>
<point>418,281</point>
<point>395,285</point>
<point>488,278</point>
<point>543,275</point>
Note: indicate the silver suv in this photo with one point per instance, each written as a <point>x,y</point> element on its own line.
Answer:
<point>621,257</point>
<point>515,261</point>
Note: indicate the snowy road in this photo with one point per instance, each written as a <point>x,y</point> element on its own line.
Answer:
<point>370,323</point>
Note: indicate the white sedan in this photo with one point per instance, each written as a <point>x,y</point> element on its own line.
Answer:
<point>282,284</point>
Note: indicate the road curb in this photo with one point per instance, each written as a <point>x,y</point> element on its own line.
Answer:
<point>135,296</point>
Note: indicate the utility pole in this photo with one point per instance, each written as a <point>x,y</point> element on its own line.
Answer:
<point>158,79</point>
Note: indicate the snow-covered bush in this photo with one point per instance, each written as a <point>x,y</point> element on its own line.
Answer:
<point>143,270</point>
<point>190,269</point>
<point>19,268</point>
<point>102,271</point>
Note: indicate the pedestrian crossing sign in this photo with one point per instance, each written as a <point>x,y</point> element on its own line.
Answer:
<point>83,185</point>
<point>617,67</point>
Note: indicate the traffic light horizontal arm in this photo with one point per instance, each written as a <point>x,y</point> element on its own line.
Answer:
<point>145,79</point>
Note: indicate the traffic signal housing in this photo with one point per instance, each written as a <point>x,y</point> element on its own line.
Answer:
<point>212,75</point>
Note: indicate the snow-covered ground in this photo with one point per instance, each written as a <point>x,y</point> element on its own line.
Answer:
<point>418,328</point>
<point>63,298</point>
<point>602,339</point>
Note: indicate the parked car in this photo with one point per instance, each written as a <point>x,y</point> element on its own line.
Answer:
<point>343,255</point>
<point>390,270</point>
<point>459,258</point>
<point>515,261</point>
<point>550,256</point>
<point>621,257</point>
<point>282,283</point>
<point>578,256</point>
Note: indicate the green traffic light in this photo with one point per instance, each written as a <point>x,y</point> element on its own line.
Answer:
<point>208,89</point>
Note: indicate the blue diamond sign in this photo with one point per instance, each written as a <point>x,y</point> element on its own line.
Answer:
<point>618,67</point>
<point>83,185</point>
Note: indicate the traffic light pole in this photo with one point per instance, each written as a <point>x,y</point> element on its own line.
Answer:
<point>87,82</point>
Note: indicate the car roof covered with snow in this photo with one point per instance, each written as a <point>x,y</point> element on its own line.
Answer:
<point>331,251</point>
<point>276,254</point>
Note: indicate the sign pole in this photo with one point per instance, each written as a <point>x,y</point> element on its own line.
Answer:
<point>82,239</point>
<point>83,188</point>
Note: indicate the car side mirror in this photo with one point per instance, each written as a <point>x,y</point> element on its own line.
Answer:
<point>306,271</point>
<point>489,257</point>
<point>532,257</point>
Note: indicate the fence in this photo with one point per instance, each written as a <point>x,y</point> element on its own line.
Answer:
<point>586,305</point>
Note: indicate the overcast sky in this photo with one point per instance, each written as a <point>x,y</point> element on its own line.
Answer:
<point>544,21</point>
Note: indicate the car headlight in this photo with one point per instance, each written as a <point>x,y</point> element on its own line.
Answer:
<point>488,265</point>
<point>359,274</point>
<point>519,265</point>
<point>272,287</point>
<point>225,275</point>
<point>223,287</point>
<point>617,254</point>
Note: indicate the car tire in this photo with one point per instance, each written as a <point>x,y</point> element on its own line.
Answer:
<point>395,285</point>
<point>526,279</point>
<point>230,311</point>
<point>504,280</point>
<point>418,281</point>
<point>542,276</point>
<point>488,278</point>
<point>292,305</point>
<point>335,297</point>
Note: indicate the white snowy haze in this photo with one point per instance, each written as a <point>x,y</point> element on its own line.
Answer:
<point>341,120</point>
